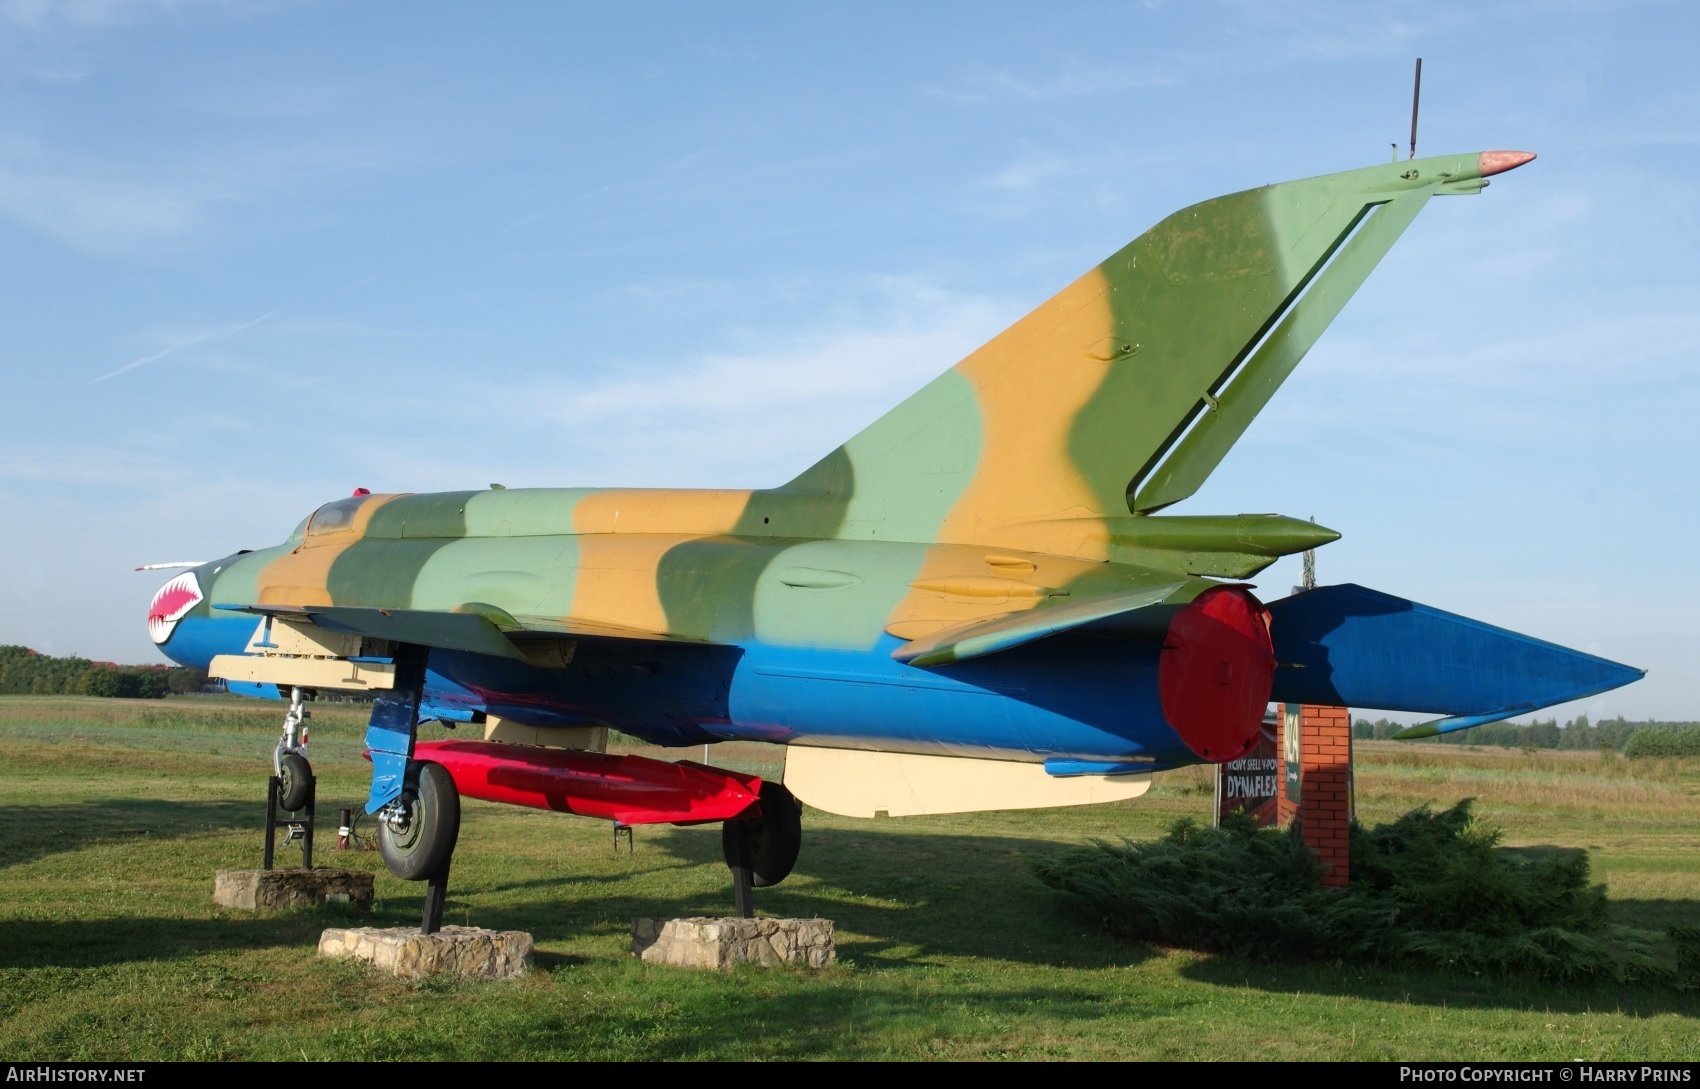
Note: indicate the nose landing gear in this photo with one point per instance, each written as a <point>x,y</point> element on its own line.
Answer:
<point>292,787</point>
<point>289,759</point>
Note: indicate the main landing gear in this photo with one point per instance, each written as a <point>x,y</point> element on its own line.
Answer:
<point>417,803</point>
<point>417,833</point>
<point>761,851</point>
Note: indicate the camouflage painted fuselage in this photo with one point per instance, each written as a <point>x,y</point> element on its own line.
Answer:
<point>770,635</point>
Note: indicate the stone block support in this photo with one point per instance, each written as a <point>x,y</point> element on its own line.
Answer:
<point>255,890</point>
<point>722,943</point>
<point>408,954</point>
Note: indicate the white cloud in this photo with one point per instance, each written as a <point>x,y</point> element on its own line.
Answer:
<point>1630,348</point>
<point>724,418</point>
<point>1029,172</point>
<point>103,467</point>
<point>99,210</point>
<point>42,15</point>
<point>185,342</point>
<point>106,206</point>
<point>1073,79</point>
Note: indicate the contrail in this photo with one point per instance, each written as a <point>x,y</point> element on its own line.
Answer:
<point>163,352</point>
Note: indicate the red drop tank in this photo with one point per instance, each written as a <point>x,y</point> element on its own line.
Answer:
<point>628,789</point>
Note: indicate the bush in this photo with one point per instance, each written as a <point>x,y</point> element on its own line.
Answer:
<point>1663,741</point>
<point>1429,888</point>
<point>151,684</point>
<point>24,672</point>
<point>184,680</point>
<point>101,681</point>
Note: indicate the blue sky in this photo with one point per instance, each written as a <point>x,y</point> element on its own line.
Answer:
<point>258,254</point>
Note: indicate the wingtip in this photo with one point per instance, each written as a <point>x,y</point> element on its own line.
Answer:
<point>1489,163</point>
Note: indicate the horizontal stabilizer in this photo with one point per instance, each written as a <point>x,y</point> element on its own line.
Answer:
<point>989,635</point>
<point>1350,646</point>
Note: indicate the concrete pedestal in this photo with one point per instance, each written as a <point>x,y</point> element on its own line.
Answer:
<point>721,943</point>
<point>257,889</point>
<point>408,954</point>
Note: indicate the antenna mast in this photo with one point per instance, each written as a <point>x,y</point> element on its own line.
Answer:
<point>1416,99</point>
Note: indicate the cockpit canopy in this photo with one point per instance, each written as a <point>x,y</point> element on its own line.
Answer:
<point>337,516</point>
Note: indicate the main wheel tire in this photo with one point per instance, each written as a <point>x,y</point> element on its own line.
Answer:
<point>295,783</point>
<point>423,837</point>
<point>774,837</point>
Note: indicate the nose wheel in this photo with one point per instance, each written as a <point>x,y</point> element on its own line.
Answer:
<point>289,759</point>
<point>290,788</point>
<point>295,781</point>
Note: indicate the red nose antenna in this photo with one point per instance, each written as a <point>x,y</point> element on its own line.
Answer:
<point>1498,162</point>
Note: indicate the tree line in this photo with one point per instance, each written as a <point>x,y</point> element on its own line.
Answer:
<point>1649,738</point>
<point>23,672</point>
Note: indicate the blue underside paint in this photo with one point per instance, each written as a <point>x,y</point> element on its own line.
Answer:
<point>1073,696</point>
<point>1070,695</point>
<point>1349,646</point>
<point>198,637</point>
<point>253,690</point>
<point>1461,722</point>
<point>1082,702</point>
<point>1063,767</point>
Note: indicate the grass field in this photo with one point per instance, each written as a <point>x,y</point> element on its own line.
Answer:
<point>114,815</point>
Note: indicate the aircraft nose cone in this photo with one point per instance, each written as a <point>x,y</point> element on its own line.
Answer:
<point>1498,162</point>
<point>171,604</point>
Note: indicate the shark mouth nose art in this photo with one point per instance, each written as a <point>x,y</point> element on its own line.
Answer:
<point>172,604</point>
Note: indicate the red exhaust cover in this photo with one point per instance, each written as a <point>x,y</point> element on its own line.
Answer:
<point>628,789</point>
<point>1216,672</point>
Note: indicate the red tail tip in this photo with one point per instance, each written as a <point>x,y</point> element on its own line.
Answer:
<point>1498,162</point>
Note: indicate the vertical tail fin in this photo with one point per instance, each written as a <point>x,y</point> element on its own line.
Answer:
<point>1124,391</point>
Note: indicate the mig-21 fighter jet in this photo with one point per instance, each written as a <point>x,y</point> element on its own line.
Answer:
<point>976,603</point>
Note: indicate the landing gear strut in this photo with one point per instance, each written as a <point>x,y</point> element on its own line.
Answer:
<point>416,803</point>
<point>289,759</point>
<point>291,787</point>
<point>762,850</point>
<point>417,834</point>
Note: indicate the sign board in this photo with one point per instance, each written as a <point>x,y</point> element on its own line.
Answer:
<point>1252,783</point>
<point>1293,750</point>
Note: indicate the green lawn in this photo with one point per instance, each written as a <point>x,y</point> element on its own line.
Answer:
<point>114,815</point>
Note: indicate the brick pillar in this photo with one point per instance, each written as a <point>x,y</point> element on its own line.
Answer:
<point>1323,808</point>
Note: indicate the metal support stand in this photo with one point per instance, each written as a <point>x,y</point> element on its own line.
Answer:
<point>623,831</point>
<point>297,825</point>
<point>743,903</point>
<point>436,895</point>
